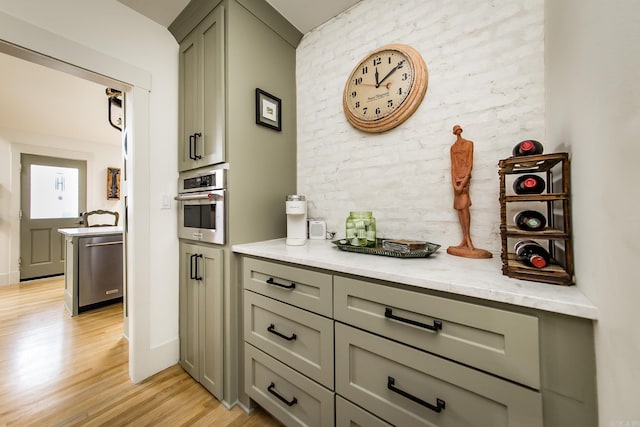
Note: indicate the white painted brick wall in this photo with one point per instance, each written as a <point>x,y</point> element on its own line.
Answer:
<point>486,73</point>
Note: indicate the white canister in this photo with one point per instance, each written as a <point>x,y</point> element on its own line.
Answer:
<point>296,209</point>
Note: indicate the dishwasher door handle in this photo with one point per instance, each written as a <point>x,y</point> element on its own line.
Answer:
<point>91,245</point>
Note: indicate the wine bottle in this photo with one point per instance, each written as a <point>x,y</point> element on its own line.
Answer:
<point>528,147</point>
<point>528,184</point>
<point>530,220</point>
<point>532,253</point>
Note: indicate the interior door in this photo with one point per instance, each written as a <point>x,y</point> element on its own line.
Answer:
<point>53,193</point>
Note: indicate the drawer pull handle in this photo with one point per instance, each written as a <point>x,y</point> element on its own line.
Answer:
<point>271,390</point>
<point>271,281</point>
<point>439,406</point>
<point>437,324</point>
<point>272,329</point>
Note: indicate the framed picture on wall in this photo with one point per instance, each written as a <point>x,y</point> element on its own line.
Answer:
<point>113,183</point>
<point>268,110</point>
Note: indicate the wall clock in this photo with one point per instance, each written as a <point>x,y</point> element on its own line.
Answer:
<point>385,88</point>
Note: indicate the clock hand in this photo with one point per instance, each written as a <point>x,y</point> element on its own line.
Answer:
<point>377,84</point>
<point>386,85</point>
<point>391,72</point>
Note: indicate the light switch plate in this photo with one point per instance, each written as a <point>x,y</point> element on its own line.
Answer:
<point>166,201</point>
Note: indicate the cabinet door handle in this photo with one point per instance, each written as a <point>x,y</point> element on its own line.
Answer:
<point>193,271</point>
<point>437,324</point>
<point>196,156</point>
<point>191,137</point>
<point>439,406</point>
<point>272,329</point>
<point>271,281</point>
<point>271,390</point>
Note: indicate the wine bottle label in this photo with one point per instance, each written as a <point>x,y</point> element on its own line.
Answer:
<point>537,261</point>
<point>533,222</point>
<point>526,146</point>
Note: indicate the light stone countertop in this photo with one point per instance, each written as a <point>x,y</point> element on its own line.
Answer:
<point>479,278</point>
<point>89,231</point>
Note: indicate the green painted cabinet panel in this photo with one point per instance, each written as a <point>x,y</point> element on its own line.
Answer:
<point>296,337</point>
<point>201,320</point>
<point>350,415</point>
<point>291,397</point>
<point>408,387</point>
<point>306,289</point>
<point>202,94</point>
<point>497,341</point>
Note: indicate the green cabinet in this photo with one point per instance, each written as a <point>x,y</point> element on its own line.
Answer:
<point>201,321</point>
<point>404,355</point>
<point>202,94</point>
<point>227,49</point>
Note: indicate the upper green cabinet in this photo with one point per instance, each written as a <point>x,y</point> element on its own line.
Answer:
<point>202,94</point>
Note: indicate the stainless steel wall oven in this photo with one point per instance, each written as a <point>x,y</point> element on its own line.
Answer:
<point>201,211</point>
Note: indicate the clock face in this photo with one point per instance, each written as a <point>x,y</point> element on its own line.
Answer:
<point>385,88</point>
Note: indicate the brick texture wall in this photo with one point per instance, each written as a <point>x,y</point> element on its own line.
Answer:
<point>486,73</point>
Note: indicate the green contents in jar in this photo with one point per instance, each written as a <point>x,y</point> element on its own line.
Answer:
<point>361,229</point>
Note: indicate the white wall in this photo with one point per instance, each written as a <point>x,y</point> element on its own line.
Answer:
<point>84,33</point>
<point>98,158</point>
<point>486,73</point>
<point>593,56</point>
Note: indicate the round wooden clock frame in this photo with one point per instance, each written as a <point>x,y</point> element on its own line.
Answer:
<point>385,88</point>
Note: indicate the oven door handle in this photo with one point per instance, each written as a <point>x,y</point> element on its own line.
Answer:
<point>208,196</point>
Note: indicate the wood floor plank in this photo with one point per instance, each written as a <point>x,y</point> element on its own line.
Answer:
<point>59,370</point>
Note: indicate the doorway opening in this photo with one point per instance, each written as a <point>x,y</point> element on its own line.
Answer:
<point>46,251</point>
<point>53,193</point>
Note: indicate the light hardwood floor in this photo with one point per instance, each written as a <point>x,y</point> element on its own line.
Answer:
<point>57,370</point>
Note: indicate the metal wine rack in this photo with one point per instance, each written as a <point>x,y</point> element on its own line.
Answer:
<point>556,237</point>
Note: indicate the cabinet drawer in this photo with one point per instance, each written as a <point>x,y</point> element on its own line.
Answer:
<point>493,340</point>
<point>399,383</point>
<point>296,337</point>
<point>350,415</point>
<point>290,397</point>
<point>303,288</point>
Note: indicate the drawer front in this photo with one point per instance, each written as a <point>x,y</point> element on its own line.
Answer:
<point>350,415</point>
<point>290,397</point>
<point>493,340</point>
<point>407,387</point>
<point>296,337</point>
<point>303,288</point>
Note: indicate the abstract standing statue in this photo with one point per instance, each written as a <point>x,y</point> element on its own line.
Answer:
<point>461,165</point>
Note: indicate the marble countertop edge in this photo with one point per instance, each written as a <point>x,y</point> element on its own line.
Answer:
<point>90,231</point>
<point>482,279</point>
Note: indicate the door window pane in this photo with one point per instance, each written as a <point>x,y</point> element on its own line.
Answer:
<point>54,192</point>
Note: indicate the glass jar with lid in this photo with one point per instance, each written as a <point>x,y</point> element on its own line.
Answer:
<point>360,228</point>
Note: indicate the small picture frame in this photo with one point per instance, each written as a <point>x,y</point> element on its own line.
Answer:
<point>113,183</point>
<point>268,110</point>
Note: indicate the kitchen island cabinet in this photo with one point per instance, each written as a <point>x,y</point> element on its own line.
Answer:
<point>424,341</point>
<point>72,277</point>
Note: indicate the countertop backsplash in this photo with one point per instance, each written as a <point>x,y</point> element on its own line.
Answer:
<point>403,175</point>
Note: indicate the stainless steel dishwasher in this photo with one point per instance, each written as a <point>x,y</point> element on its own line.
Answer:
<point>99,269</point>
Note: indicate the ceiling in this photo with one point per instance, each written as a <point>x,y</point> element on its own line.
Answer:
<point>305,15</point>
<point>43,101</point>
<point>40,100</point>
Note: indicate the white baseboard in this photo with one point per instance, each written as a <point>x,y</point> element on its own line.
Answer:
<point>10,278</point>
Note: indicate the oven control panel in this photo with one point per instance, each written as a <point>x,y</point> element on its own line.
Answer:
<point>202,180</point>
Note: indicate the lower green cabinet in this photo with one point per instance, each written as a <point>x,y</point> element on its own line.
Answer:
<point>201,310</point>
